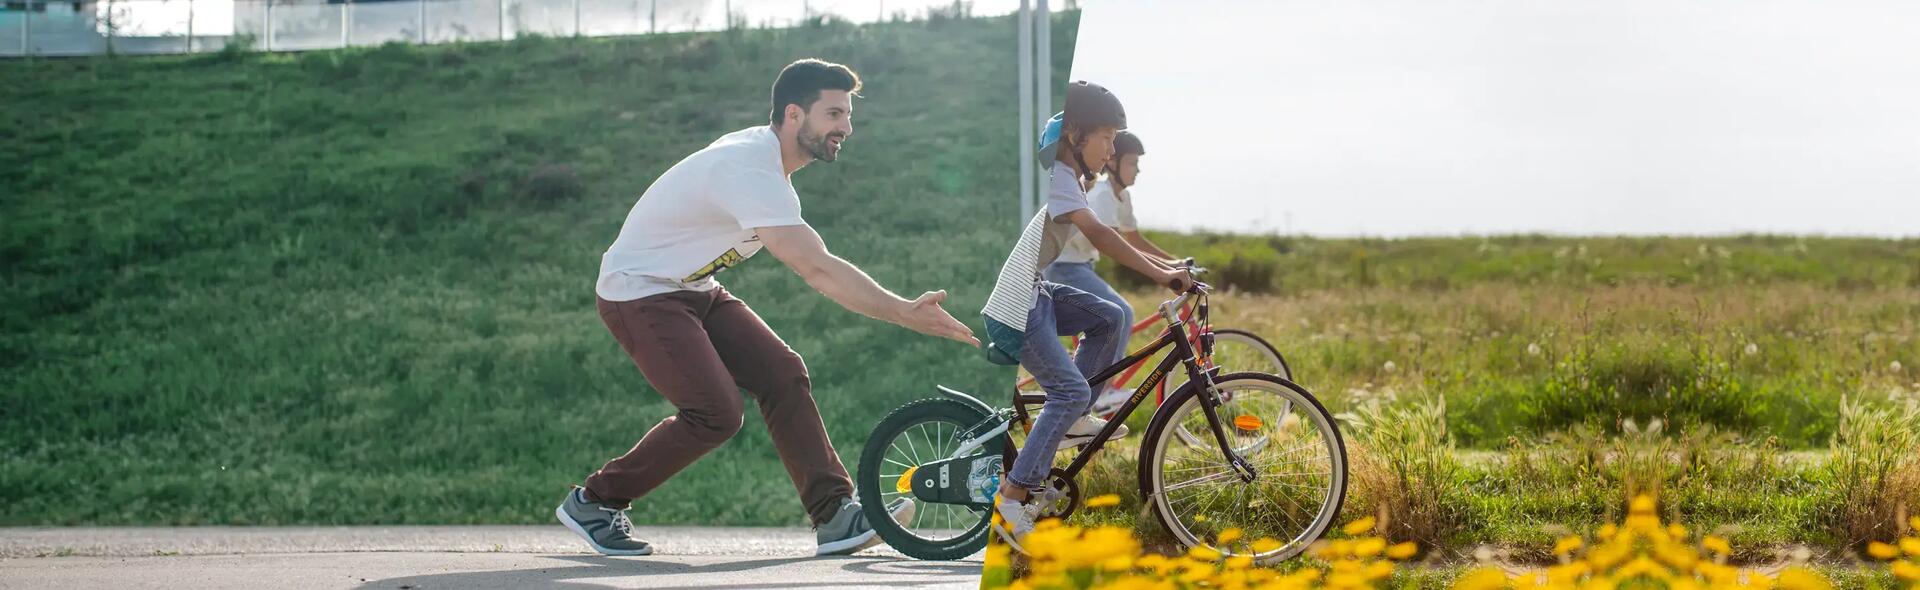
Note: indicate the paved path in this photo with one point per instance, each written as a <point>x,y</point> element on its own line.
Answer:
<point>431,557</point>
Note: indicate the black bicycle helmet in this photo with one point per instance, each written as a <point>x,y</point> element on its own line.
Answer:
<point>1125,142</point>
<point>1091,106</point>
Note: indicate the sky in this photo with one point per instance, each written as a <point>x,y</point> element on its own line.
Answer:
<point>1444,117</point>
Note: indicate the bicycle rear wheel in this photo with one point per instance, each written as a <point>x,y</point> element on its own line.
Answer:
<point>913,435</point>
<point>1301,468</point>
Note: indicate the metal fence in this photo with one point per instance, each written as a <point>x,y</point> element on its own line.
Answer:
<point>40,27</point>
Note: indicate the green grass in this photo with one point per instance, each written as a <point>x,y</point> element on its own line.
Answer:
<point>1554,355</point>
<point>318,288</point>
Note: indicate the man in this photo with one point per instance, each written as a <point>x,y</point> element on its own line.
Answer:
<point>698,345</point>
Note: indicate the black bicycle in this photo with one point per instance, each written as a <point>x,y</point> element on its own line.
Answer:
<point>1267,459</point>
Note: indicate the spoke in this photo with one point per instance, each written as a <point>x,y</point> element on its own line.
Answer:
<point>899,463</point>
<point>912,451</point>
<point>1197,481</point>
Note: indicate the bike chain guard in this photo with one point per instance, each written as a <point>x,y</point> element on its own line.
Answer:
<point>972,479</point>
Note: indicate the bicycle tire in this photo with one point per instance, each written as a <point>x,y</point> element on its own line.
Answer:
<point>875,493</point>
<point>1159,438</point>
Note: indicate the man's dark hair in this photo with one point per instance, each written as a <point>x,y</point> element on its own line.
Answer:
<point>800,83</point>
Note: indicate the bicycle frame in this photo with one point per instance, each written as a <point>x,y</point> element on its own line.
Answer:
<point>1176,336</point>
<point>1186,315</point>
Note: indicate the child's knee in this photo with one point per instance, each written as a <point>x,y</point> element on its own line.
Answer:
<point>1076,397</point>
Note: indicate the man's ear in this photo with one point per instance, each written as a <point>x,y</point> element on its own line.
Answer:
<point>793,113</point>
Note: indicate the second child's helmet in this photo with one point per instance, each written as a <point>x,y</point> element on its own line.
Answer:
<point>1125,142</point>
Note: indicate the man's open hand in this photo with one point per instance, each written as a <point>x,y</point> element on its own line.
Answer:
<point>927,317</point>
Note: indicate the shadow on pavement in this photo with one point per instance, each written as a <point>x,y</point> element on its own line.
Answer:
<point>601,572</point>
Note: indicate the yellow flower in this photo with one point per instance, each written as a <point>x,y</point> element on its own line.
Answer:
<point>1401,551</point>
<point>1379,570</point>
<point>1606,531</point>
<point>1568,573</point>
<point>1641,566</point>
<point>1369,546</point>
<point>1677,531</point>
<point>1643,522</point>
<point>1228,536</point>
<point>1484,578</point>
<point>1800,578</point>
<point>1204,553</point>
<point>1906,570</point>
<point>1882,550</point>
<point>1103,501</point>
<point>1716,544</point>
<point>1239,562</point>
<point>1642,504</point>
<point>997,556</point>
<point>1566,545</point>
<point>1911,545</point>
<point>1266,544</point>
<point>1914,523</point>
<point>1359,526</point>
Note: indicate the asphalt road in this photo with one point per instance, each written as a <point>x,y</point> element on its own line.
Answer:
<point>430,557</point>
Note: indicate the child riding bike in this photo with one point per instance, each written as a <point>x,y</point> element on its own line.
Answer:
<point>1112,203</point>
<point>1025,315</point>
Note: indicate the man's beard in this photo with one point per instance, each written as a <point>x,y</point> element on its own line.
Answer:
<point>817,145</point>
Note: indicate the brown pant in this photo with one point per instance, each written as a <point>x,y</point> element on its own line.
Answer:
<point>698,348</point>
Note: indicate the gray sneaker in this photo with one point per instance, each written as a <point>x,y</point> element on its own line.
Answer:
<point>605,529</point>
<point>849,532</point>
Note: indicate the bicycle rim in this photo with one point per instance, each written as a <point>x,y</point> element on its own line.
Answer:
<point>1301,468</point>
<point>930,439</point>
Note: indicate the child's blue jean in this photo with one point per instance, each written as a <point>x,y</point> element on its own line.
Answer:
<point>1060,310</point>
<point>1080,275</point>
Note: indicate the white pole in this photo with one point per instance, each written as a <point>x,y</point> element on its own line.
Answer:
<point>423,22</point>
<point>1043,70</point>
<point>576,18</point>
<point>653,16</point>
<point>189,26</point>
<point>269,25</point>
<point>346,23</point>
<point>1027,181</point>
<point>501,7</point>
<point>26,29</point>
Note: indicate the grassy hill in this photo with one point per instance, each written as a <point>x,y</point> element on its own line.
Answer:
<point>357,286</point>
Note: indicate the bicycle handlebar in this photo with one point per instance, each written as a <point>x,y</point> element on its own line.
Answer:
<point>1197,288</point>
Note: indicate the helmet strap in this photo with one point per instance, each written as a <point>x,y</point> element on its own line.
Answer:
<point>1086,173</point>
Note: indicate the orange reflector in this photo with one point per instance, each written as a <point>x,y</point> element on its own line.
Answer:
<point>1246,422</point>
<point>905,485</point>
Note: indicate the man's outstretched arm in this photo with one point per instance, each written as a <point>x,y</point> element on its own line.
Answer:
<point>802,250</point>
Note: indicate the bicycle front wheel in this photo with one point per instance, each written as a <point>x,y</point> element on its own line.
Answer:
<point>1300,467</point>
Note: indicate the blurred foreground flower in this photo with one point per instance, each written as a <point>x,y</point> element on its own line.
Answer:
<point>1642,553</point>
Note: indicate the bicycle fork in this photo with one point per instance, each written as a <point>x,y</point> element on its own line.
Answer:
<point>1210,403</point>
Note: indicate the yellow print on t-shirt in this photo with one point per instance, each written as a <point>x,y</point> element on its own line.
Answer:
<point>725,261</point>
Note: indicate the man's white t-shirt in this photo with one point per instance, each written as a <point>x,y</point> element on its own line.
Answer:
<point>1113,210</point>
<point>697,219</point>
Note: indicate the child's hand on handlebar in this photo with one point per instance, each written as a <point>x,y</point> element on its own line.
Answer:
<point>1179,280</point>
